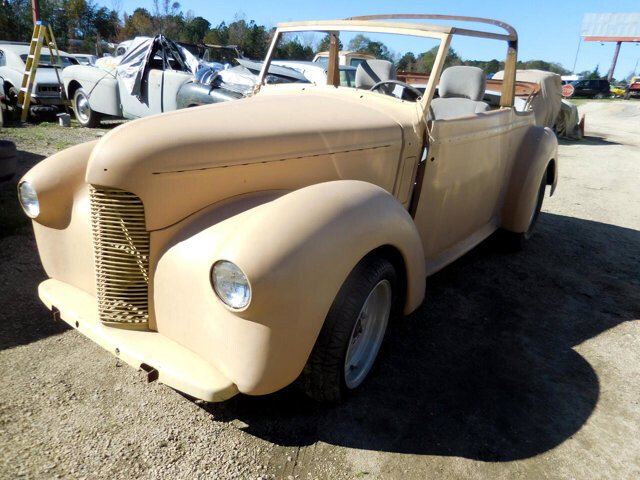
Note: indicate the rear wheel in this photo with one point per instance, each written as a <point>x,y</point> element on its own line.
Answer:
<point>516,241</point>
<point>353,331</point>
<point>82,109</point>
<point>599,96</point>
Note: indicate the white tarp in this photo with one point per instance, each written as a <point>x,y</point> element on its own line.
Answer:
<point>546,103</point>
<point>142,50</point>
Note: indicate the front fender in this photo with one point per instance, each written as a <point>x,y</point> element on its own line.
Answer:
<point>101,86</point>
<point>296,251</point>
<point>538,148</point>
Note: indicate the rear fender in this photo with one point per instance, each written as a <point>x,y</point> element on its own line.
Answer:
<point>296,251</point>
<point>538,151</point>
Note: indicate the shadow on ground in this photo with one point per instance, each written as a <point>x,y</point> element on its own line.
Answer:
<point>23,319</point>
<point>587,140</point>
<point>485,369</point>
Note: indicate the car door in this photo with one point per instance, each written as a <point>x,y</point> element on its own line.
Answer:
<point>172,80</point>
<point>150,101</point>
<point>463,184</point>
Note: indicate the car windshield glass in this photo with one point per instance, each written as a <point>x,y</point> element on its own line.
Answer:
<point>404,53</point>
<point>348,77</point>
<point>45,60</point>
<point>324,61</point>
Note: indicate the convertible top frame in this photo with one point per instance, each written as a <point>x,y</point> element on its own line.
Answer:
<point>382,24</point>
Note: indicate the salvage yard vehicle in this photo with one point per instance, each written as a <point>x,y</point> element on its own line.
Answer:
<point>46,97</point>
<point>145,82</point>
<point>347,58</point>
<point>633,89</point>
<point>213,85</point>
<point>223,255</point>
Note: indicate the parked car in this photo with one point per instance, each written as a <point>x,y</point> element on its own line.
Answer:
<point>217,84</point>
<point>143,82</point>
<point>241,246</point>
<point>317,72</point>
<point>633,89</point>
<point>618,91</point>
<point>85,58</point>
<point>345,57</point>
<point>591,88</point>
<point>47,95</point>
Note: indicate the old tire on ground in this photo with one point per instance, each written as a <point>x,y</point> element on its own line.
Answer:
<point>8,160</point>
<point>513,241</point>
<point>12,98</point>
<point>82,109</point>
<point>353,331</point>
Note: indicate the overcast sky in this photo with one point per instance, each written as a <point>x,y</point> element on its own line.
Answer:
<point>548,30</point>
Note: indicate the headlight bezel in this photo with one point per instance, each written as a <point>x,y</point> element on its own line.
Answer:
<point>26,194</point>
<point>229,272</point>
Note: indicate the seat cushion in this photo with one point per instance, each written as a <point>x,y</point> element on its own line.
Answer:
<point>462,82</point>
<point>442,108</point>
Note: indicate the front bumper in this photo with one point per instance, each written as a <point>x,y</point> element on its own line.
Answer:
<point>175,365</point>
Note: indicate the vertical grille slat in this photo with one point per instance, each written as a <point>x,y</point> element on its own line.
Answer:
<point>121,249</point>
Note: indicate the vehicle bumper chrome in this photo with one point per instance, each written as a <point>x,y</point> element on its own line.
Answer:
<point>171,363</point>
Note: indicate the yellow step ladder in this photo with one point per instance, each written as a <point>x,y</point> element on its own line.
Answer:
<point>42,35</point>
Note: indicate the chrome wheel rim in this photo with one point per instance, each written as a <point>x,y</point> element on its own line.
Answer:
<point>83,110</point>
<point>367,334</point>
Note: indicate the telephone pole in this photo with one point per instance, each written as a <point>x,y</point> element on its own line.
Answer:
<point>35,10</point>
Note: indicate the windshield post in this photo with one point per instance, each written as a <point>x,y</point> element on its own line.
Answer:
<point>509,80</point>
<point>267,63</point>
<point>436,71</point>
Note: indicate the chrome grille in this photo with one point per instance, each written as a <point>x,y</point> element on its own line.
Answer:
<point>48,90</point>
<point>121,249</point>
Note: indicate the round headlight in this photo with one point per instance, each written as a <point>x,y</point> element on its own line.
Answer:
<point>231,284</point>
<point>29,199</point>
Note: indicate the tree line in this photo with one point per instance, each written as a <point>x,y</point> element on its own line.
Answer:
<point>80,25</point>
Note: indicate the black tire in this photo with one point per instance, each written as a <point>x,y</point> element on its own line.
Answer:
<point>82,109</point>
<point>598,96</point>
<point>323,377</point>
<point>513,241</point>
<point>12,97</point>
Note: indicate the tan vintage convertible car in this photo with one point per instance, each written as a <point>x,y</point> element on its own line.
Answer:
<point>239,247</point>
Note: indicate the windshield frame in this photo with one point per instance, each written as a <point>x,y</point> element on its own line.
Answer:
<point>383,24</point>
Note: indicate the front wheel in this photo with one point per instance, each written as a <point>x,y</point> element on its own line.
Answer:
<point>82,109</point>
<point>353,331</point>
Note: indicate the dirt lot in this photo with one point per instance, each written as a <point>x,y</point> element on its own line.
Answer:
<point>521,365</point>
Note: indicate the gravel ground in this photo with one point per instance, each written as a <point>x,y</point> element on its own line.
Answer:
<point>522,365</point>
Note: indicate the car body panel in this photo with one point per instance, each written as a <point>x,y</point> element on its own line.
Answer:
<point>160,169</point>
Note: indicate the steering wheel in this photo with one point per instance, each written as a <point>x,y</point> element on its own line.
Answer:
<point>406,86</point>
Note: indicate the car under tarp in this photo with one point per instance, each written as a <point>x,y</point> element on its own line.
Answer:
<point>135,64</point>
<point>546,103</point>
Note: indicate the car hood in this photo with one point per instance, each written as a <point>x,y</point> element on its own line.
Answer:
<point>168,159</point>
<point>46,76</point>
